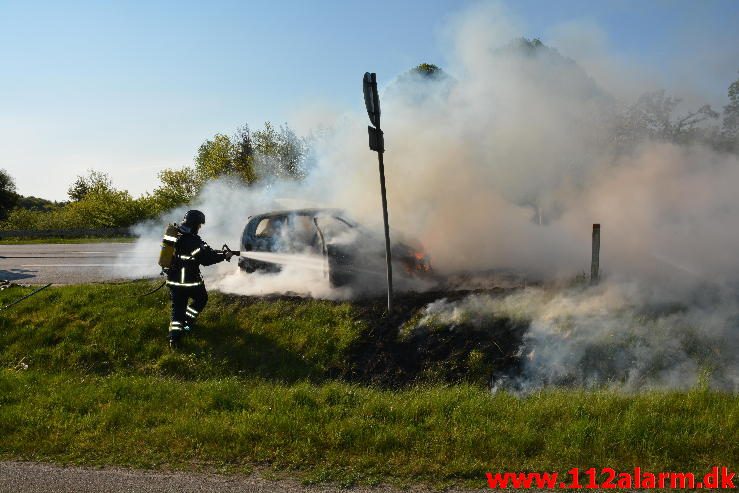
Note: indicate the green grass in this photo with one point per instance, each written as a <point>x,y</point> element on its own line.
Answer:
<point>106,328</point>
<point>335,431</point>
<point>86,378</point>
<point>36,241</point>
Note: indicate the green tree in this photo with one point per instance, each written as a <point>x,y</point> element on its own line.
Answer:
<point>93,181</point>
<point>652,117</point>
<point>243,154</point>
<point>106,209</point>
<point>280,154</point>
<point>214,158</point>
<point>37,204</point>
<point>226,156</point>
<point>427,69</point>
<point>97,204</point>
<point>266,154</point>
<point>730,124</point>
<point>8,195</point>
<point>178,186</point>
<point>265,140</point>
<point>291,152</point>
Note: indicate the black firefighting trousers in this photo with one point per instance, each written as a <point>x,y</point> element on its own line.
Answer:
<point>184,315</point>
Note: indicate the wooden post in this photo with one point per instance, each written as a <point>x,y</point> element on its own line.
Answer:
<point>595,260</point>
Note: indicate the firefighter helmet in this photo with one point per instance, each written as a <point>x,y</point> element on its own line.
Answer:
<point>193,218</point>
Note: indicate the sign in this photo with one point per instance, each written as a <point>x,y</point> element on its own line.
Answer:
<point>377,143</point>
<point>376,139</point>
<point>372,99</point>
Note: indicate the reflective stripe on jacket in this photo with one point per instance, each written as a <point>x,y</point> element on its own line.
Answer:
<point>190,253</point>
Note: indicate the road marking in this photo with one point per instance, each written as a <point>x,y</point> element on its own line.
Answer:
<point>108,252</point>
<point>60,256</point>
<point>82,265</point>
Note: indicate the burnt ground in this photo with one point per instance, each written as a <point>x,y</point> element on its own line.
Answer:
<point>394,351</point>
<point>388,356</point>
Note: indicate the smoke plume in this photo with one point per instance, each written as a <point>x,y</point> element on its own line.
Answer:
<point>610,335</point>
<point>506,164</point>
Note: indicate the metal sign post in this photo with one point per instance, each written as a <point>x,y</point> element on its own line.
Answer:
<point>595,258</point>
<point>377,143</point>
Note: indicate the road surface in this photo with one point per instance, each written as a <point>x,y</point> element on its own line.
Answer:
<point>22,477</point>
<point>74,263</point>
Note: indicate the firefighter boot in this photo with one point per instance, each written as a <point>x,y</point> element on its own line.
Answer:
<point>175,335</point>
<point>190,315</point>
<point>175,340</point>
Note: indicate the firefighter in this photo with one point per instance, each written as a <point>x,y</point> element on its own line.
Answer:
<point>183,276</point>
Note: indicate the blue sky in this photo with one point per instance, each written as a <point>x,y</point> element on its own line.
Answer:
<point>134,87</point>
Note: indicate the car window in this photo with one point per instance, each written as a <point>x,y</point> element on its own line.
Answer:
<point>302,229</point>
<point>269,227</point>
<point>334,226</point>
<point>261,227</point>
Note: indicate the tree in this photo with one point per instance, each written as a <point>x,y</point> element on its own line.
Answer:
<point>225,156</point>
<point>291,151</point>
<point>427,69</point>
<point>8,195</point>
<point>94,181</point>
<point>652,117</point>
<point>730,125</point>
<point>243,149</point>
<point>265,154</point>
<point>32,203</point>
<point>279,153</point>
<point>109,208</point>
<point>178,186</point>
<point>96,204</point>
<point>421,85</point>
<point>214,157</point>
<point>265,140</point>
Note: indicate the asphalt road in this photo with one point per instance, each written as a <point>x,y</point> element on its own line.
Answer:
<point>27,477</point>
<point>72,263</point>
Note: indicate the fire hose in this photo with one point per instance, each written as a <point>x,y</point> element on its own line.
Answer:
<point>227,251</point>
<point>152,291</point>
<point>22,298</point>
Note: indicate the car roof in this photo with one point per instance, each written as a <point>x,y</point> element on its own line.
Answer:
<point>299,212</point>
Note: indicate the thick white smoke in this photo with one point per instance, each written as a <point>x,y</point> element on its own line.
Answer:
<point>610,336</point>
<point>507,164</point>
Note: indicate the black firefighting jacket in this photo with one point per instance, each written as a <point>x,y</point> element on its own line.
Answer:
<point>190,253</point>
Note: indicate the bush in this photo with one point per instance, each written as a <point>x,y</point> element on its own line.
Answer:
<point>97,209</point>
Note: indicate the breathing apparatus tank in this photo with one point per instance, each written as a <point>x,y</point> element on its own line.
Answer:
<point>169,240</point>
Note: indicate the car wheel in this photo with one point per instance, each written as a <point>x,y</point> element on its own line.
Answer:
<point>340,272</point>
<point>247,266</point>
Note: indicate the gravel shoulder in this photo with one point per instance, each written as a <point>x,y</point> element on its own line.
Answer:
<point>34,477</point>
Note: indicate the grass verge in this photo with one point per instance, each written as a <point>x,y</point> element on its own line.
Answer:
<point>108,328</point>
<point>347,433</point>
<point>85,377</point>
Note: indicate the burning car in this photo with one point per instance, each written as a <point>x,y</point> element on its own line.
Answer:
<point>327,238</point>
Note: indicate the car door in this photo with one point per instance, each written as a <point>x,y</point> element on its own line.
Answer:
<point>268,234</point>
<point>302,234</point>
